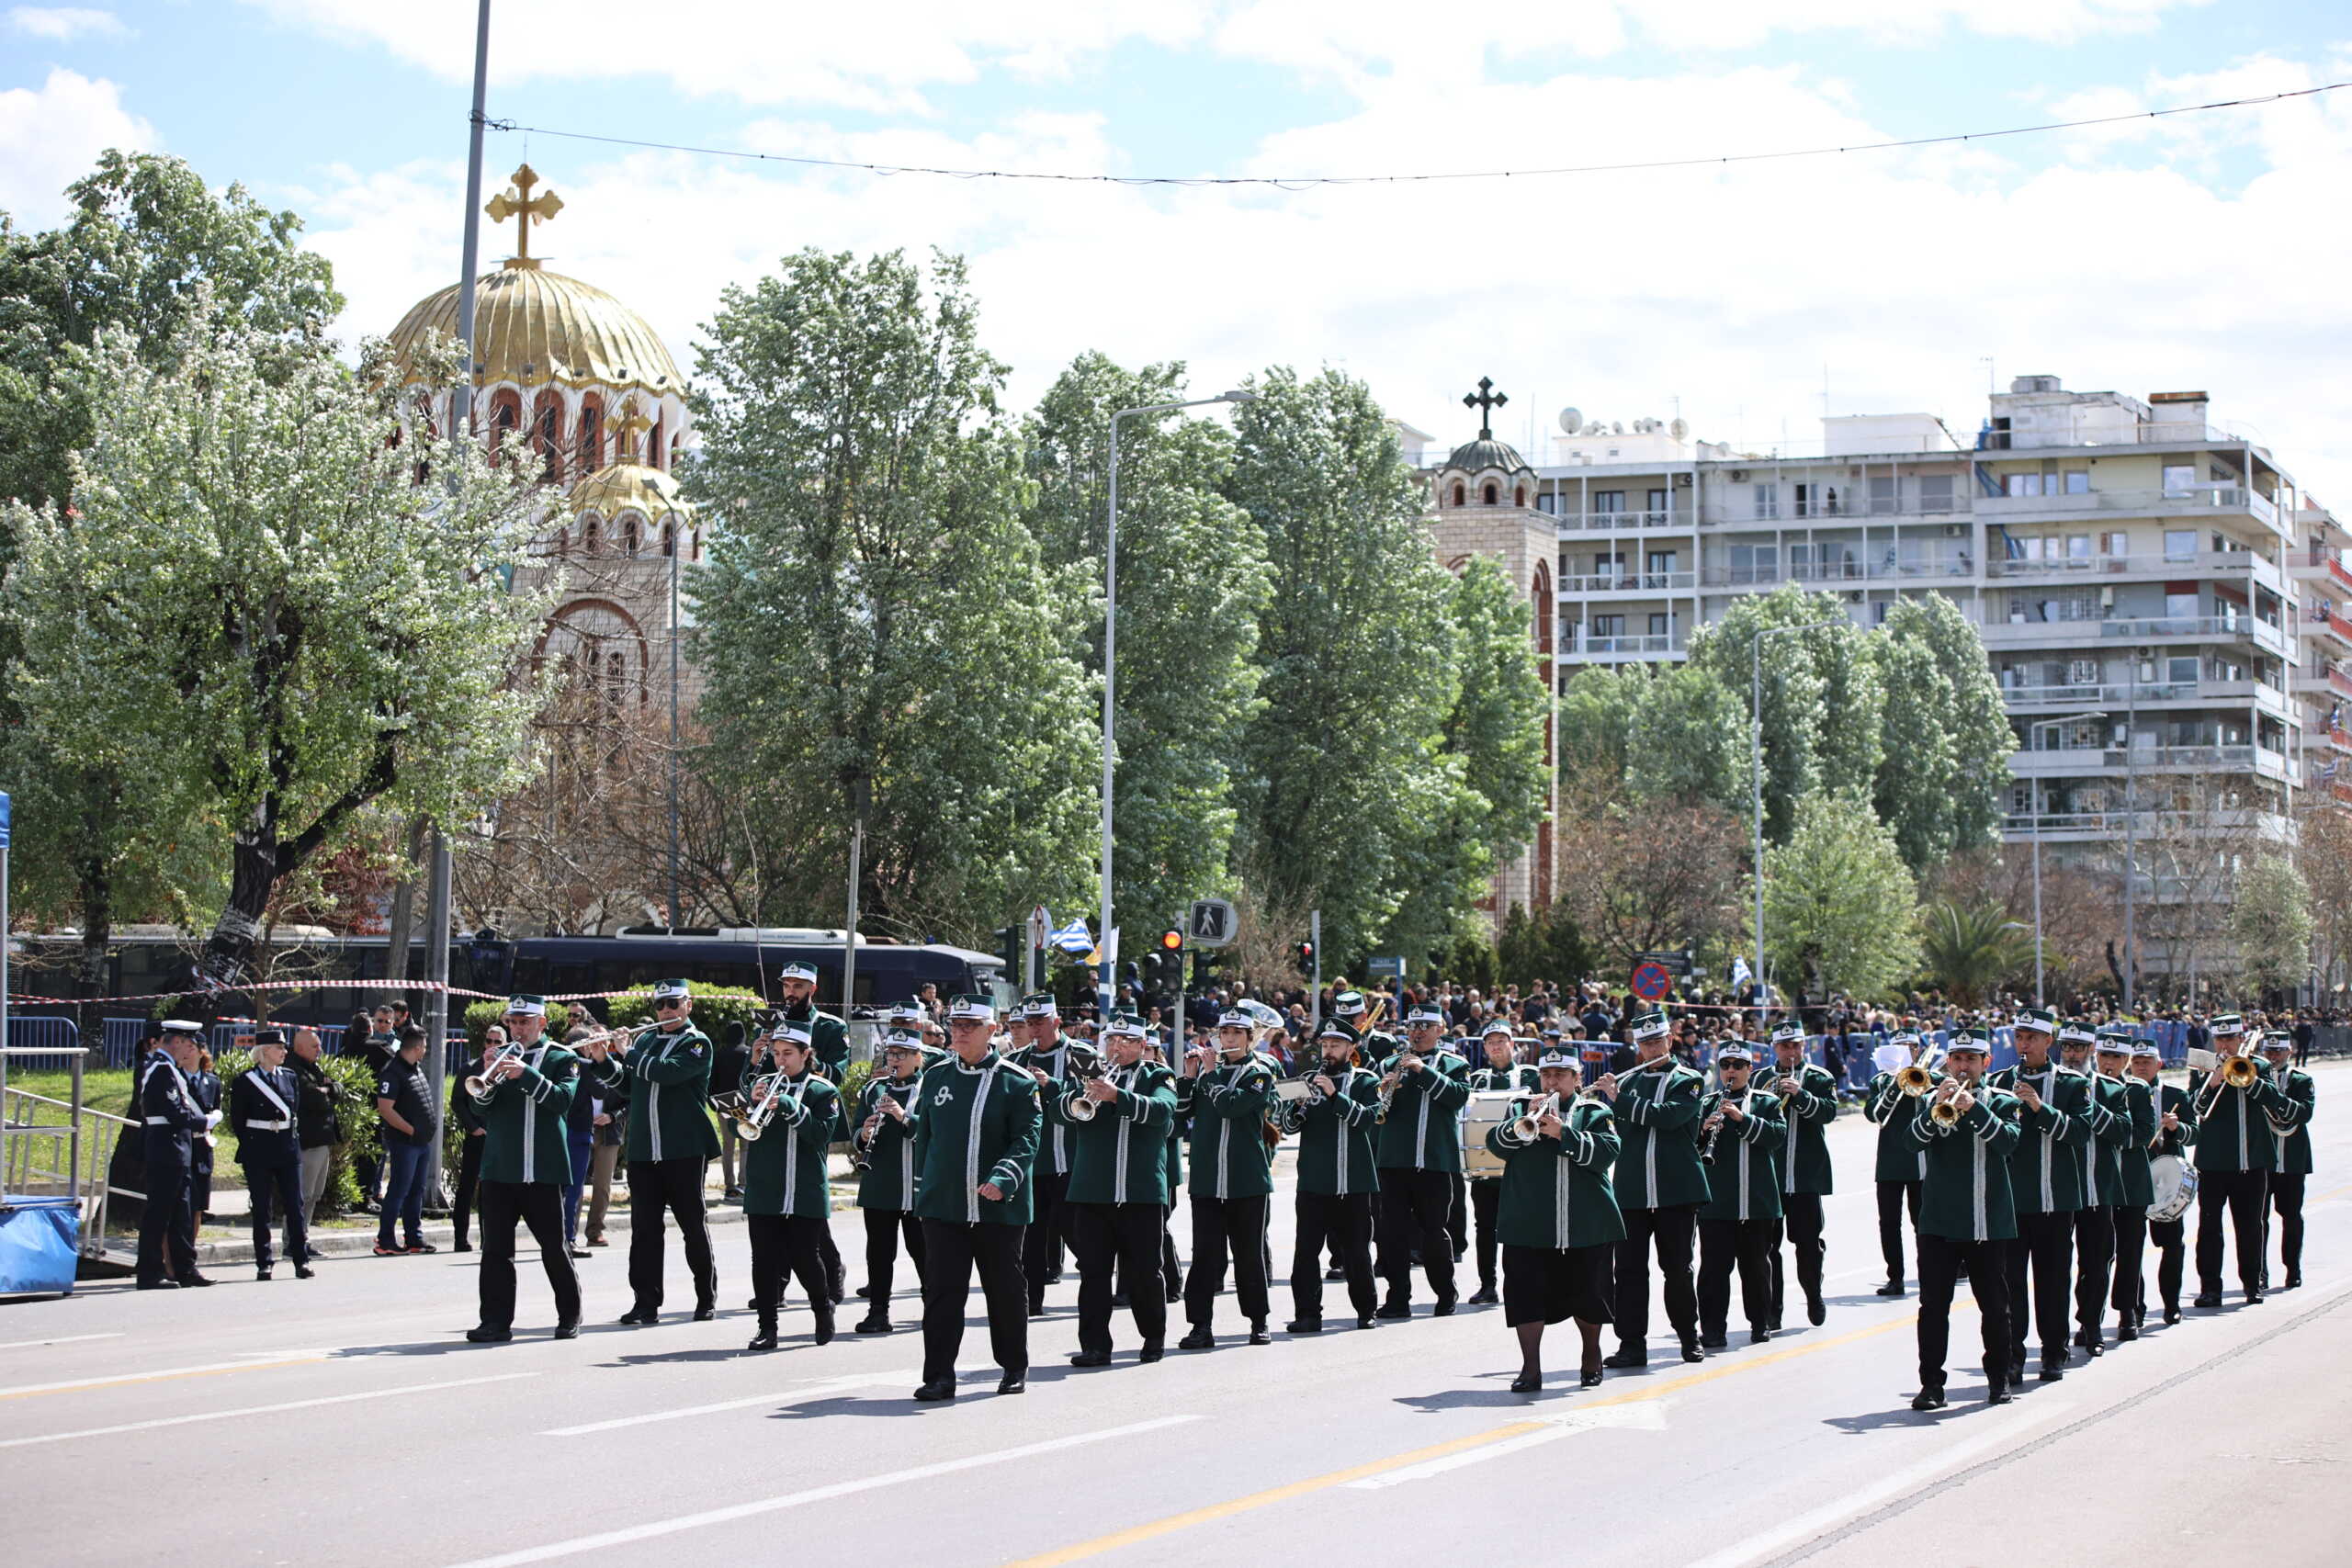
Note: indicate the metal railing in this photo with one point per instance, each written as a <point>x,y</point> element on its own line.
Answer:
<point>2193,563</point>
<point>2143,503</point>
<point>2120,693</point>
<point>1846,569</point>
<point>1612,521</point>
<point>1630,583</point>
<point>2151,433</point>
<point>1618,647</point>
<point>50,1143</point>
<point>1860,510</point>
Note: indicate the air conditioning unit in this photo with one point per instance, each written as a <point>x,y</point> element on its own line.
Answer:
<point>1955,530</point>
<point>1739,476</point>
<point>1682,481</point>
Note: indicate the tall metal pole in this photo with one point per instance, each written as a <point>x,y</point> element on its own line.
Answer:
<point>2131,832</point>
<point>848,940</point>
<point>1106,988</point>
<point>676,906</point>
<point>1315,995</point>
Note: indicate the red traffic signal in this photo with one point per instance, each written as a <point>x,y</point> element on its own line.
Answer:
<point>1307,956</point>
<point>1172,940</point>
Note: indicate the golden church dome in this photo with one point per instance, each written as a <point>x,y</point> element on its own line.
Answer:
<point>628,487</point>
<point>534,327</point>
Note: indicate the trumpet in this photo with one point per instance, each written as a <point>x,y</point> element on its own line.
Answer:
<point>1524,1129</point>
<point>481,1085</point>
<point>1945,1112</point>
<point>1081,1109</point>
<point>761,1104</point>
<point>1914,1081</point>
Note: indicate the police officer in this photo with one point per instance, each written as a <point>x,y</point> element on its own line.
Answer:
<point>1227,1090</point>
<point>1966,1215</point>
<point>1902,1158</point>
<point>1500,1070</point>
<point>666,1076</point>
<point>526,1165</point>
<point>884,1147</point>
<point>1338,1177</point>
<point>172,1122</point>
<point>1118,1121</point>
<point>263,1108</point>
<point>1742,1133</point>
<point>2291,1131</point>
<point>1808,1097</point>
<point>787,1199</point>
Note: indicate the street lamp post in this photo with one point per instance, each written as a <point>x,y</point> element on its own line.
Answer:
<point>1756,735</point>
<point>2032,728</point>
<point>1110,980</point>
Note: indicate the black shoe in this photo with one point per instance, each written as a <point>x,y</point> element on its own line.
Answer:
<point>1713,1341</point>
<point>1999,1393</point>
<point>1484,1296</point>
<point>1153,1350</point>
<point>2125,1333</point>
<point>734,1195</point>
<point>1892,1288</point>
<point>1392,1308</point>
<point>764,1339</point>
<point>158,1285</point>
<point>261,1273</point>
<point>1628,1356</point>
<point>1527,1382</point>
<point>1772,1324</point>
<point>2207,1300</point>
<point>461,1247</point>
<point>936,1393</point>
<point>2095,1348</point>
<point>2052,1372</point>
<point>196,1282</point>
<point>1052,1276</point>
<point>1013,1382</point>
<point>640,1317</point>
<point>872,1323</point>
<point>1760,1336</point>
<point>304,1271</point>
<point>866,1292</point>
<point>567,1328</point>
<point>1199,1338</point>
<point>1589,1376</point>
<point>1692,1352</point>
<point>420,1245</point>
<point>1445,1307</point>
<point>1091,1359</point>
<point>2254,1298</point>
<point>1928,1398</point>
<point>824,1331</point>
<point>1119,1300</point>
<point>705,1313</point>
<point>1257,1335</point>
<point>1368,1320</point>
<point>2082,1337</point>
<point>384,1250</point>
<point>2294,1280</point>
<point>1335,1272</point>
<point>1304,1325</point>
<point>752,1306</point>
<point>1816,1311</point>
<point>2172,1313</point>
<point>488,1335</point>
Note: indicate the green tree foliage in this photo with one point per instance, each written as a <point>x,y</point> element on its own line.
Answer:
<point>1597,719</point>
<point>1546,946</point>
<point>1947,737</point>
<point>1688,743</point>
<point>1192,583</point>
<point>2272,924</point>
<point>254,592</point>
<point>880,636</point>
<point>1840,912</point>
<point>1969,949</point>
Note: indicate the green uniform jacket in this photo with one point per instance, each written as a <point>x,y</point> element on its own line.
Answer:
<point>1423,1128</point>
<point>784,1168</point>
<point>2176,1100</point>
<point>974,1125</point>
<point>1744,1177</point>
<point>2046,1162</point>
<point>1900,1156</point>
<point>1228,1105</point>
<point>1808,1103</point>
<point>2138,1187</point>
<point>667,1079</point>
<point>525,1138</point>
<point>887,1180</point>
<point>1335,1134</point>
<point>828,1042</point>
<point>1121,1156</point>
<point>1052,1133</point>
<point>2291,1124</point>
<point>2103,1185</point>
<point>2233,1126</point>
<point>1658,1112</point>
<point>1967,1195</point>
<point>1556,1190</point>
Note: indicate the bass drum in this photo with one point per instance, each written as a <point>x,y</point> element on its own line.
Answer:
<point>1488,1109</point>
<point>2176,1185</point>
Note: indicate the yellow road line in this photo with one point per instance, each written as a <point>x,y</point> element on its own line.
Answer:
<point>156,1377</point>
<point>1137,1534</point>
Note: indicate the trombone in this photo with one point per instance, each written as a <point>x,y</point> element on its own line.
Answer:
<point>1914,1081</point>
<point>481,1085</point>
<point>2239,1070</point>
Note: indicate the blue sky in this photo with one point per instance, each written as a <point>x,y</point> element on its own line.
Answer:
<point>2201,252</point>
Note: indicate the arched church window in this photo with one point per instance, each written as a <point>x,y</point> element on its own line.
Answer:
<point>1491,492</point>
<point>669,538</point>
<point>591,537</point>
<point>1458,492</point>
<point>629,537</point>
<point>591,433</point>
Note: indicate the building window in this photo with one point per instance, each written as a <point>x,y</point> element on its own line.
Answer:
<point>1608,625</point>
<point>2179,480</point>
<point>2078,547</point>
<point>1659,623</point>
<point>1661,565</point>
<point>1755,563</point>
<point>2180,544</point>
<point>591,538</point>
<point>1883,495</point>
<point>1768,501</point>
<point>592,434</point>
<point>1491,492</point>
<point>1458,492</point>
<point>2022,484</point>
<point>1657,503</point>
<point>629,537</point>
<point>1935,492</point>
<point>2116,543</point>
<point>2079,481</point>
<point>1519,495</point>
<point>505,416</point>
<point>669,538</point>
<point>1612,501</point>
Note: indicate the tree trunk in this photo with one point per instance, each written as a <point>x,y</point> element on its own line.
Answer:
<point>403,917</point>
<point>228,958</point>
<point>97,897</point>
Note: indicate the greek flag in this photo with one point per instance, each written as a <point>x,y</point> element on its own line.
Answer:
<point>1739,971</point>
<point>1072,938</point>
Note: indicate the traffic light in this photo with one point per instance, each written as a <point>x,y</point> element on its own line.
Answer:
<point>1008,947</point>
<point>1306,951</point>
<point>1167,961</point>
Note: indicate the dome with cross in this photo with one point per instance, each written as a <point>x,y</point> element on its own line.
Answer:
<point>1485,472</point>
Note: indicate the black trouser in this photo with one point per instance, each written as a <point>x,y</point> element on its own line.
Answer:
<point>1223,1225</point>
<point>829,1253</point>
<point>1171,1272</point>
<point>1671,1229</point>
<point>468,1181</point>
<point>884,1229</point>
<point>785,1244</point>
<point>2286,1197</point>
<point>1723,1244</point>
<point>1457,1218</point>
<point>1941,1260</point>
<point>282,1182</point>
<point>1118,1239</point>
<point>2243,1193</point>
<point>166,1225</point>
<point>1049,1227</point>
<point>539,1205</point>
<point>2044,1250</point>
<point>2094,1268</point>
<point>1800,1225</point>
<point>1415,1213</point>
<point>2171,1238</point>
<point>1344,1223</point>
<point>950,1252</point>
<point>2131,1256</point>
<point>1486,1202</point>
<point>1894,1197</point>
<point>675,1185</point>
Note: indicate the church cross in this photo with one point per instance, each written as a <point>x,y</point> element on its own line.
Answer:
<point>1486,399</point>
<point>517,202</point>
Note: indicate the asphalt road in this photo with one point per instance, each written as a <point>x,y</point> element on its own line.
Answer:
<point>346,1419</point>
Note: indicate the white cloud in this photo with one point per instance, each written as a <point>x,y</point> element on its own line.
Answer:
<point>50,137</point>
<point>63,24</point>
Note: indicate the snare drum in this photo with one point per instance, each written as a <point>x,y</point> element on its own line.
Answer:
<point>1487,1109</point>
<point>2175,1183</point>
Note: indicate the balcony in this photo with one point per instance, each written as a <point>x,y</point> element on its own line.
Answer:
<point>1862,513</point>
<point>2321,566</point>
<point>2084,633</point>
<point>1631,583</point>
<point>2120,695</point>
<point>2195,501</point>
<point>2060,762</point>
<point>1937,569</point>
<point>2325,682</point>
<point>2200,563</point>
<point>1580,648</point>
<point>2061,827</point>
<point>2323,624</point>
<point>2154,432</point>
<point>1619,522</point>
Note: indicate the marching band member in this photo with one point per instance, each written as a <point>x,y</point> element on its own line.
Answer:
<point>1659,1185</point>
<point>1558,1217</point>
<point>1419,1139</point>
<point>1337,1180</point>
<point>173,1122</point>
<point>2291,1132</point>
<point>975,1139</point>
<point>1118,1122</point>
<point>1808,1097</point>
<point>526,1165</point>
<point>829,1039</point>
<point>666,1076</point>
<point>1051,1060</point>
<point>1502,1070</point>
<point>1226,1089</point>
<point>2234,1152</point>
<point>1902,1158</point>
<point>2046,1188</point>
<point>1741,1134</point>
<point>885,1183</point>
<point>2176,1131</point>
<point>2111,1109</point>
<point>1966,1217</point>
<point>787,1200</point>
<point>2116,1048</point>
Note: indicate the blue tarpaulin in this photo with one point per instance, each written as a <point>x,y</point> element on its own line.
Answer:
<point>40,1242</point>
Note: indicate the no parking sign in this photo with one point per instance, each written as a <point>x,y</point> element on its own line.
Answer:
<point>1651,982</point>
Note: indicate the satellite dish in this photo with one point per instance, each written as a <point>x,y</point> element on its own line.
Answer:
<point>1571,421</point>
<point>1680,429</point>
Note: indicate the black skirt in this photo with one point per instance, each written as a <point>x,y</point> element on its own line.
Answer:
<point>1545,1285</point>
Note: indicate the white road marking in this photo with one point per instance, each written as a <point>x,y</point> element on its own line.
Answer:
<point>60,1340</point>
<point>789,1396</point>
<point>1648,1414</point>
<point>257,1410</point>
<point>161,1372</point>
<point>815,1495</point>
